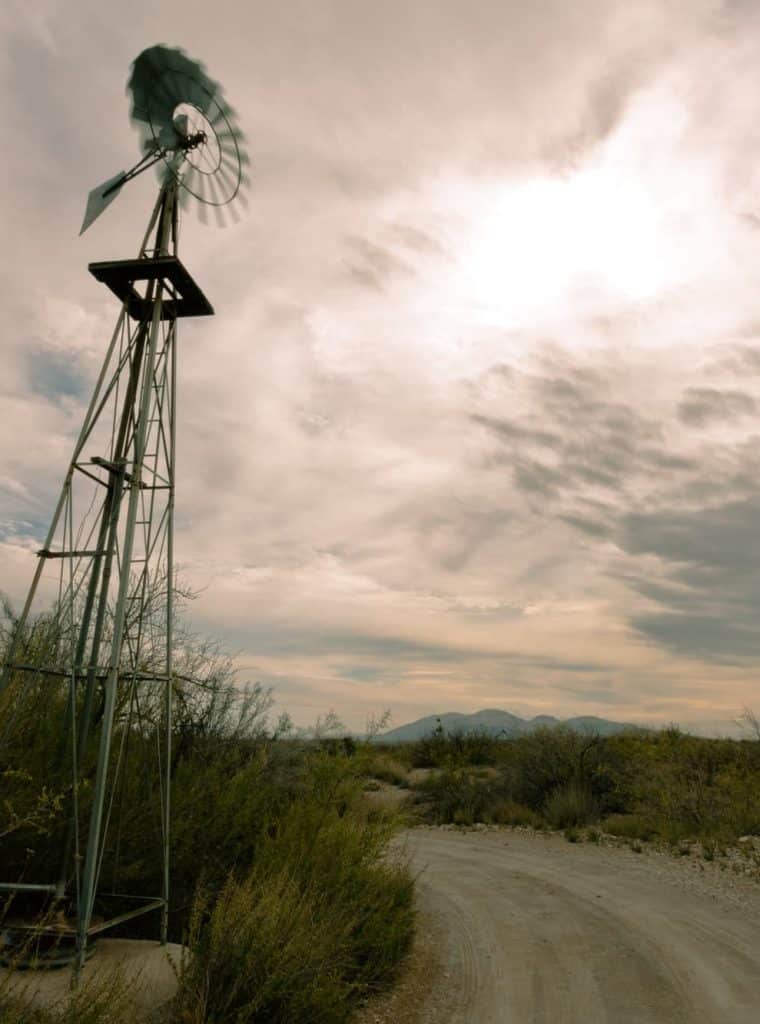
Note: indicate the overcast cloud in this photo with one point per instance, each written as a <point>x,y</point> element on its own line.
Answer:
<point>476,423</point>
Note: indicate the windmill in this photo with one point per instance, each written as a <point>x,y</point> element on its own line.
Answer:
<point>106,571</point>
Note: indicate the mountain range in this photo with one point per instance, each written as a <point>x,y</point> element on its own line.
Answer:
<point>497,723</point>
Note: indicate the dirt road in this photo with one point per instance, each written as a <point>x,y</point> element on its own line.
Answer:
<point>532,929</point>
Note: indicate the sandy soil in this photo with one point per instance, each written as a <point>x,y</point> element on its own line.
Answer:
<point>524,928</point>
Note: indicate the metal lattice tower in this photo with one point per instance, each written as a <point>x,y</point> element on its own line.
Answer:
<point>106,571</point>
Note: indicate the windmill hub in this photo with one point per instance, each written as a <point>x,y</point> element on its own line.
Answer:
<point>193,141</point>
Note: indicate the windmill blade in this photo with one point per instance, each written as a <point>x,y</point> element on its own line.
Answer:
<point>199,194</point>
<point>203,95</point>
<point>229,181</point>
<point>231,153</point>
<point>216,199</point>
<point>147,85</point>
<point>189,180</point>
<point>224,112</point>
<point>232,134</point>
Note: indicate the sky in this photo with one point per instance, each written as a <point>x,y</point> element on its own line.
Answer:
<point>477,421</point>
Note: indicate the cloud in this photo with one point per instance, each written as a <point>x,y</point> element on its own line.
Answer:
<point>700,406</point>
<point>373,265</point>
<point>570,440</point>
<point>400,479</point>
<point>706,583</point>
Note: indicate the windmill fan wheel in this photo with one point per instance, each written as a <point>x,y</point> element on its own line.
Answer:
<point>182,115</point>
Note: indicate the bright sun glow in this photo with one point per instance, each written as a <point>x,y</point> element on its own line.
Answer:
<point>541,242</point>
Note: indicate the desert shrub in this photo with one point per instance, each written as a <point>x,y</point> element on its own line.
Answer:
<point>301,909</point>
<point>455,748</point>
<point>667,784</point>
<point>546,759</point>
<point>429,751</point>
<point>477,747</point>
<point>629,826</point>
<point>684,786</point>
<point>321,920</point>
<point>509,812</point>
<point>378,765</point>
<point>271,831</point>
<point>570,805</point>
<point>103,999</point>
<point>261,952</point>
<point>456,795</point>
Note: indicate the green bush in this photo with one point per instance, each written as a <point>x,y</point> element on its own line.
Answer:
<point>442,749</point>
<point>509,812</point>
<point>287,868</point>
<point>629,826</point>
<point>456,796</point>
<point>382,766</point>
<point>665,784</point>
<point>262,952</point>
<point>322,919</point>
<point>545,760</point>
<point>104,999</point>
<point>570,805</point>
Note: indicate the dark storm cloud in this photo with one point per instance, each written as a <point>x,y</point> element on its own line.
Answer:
<point>535,478</point>
<point>701,406</point>
<point>512,431</point>
<point>704,586</point>
<point>396,653</point>
<point>592,527</point>
<point>584,438</point>
<point>720,538</point>
<point>708,587</point>
<point>713,638</point>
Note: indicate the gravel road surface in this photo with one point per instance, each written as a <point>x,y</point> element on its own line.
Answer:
<point>523,928</point>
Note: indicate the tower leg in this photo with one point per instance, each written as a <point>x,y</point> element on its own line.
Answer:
<point>168,693</point>
<point>112,552</point>
<point>93,855</point>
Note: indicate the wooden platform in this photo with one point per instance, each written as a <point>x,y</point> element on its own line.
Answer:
<point>184,297</point>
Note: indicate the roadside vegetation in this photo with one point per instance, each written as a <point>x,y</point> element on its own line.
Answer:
<point>284,887</point>
<point>665,785</point>
<point>285,884</point>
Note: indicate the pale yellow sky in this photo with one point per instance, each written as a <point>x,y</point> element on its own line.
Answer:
<point>475,424</point>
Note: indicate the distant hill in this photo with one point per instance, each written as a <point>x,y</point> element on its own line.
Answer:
<point>501,723</point>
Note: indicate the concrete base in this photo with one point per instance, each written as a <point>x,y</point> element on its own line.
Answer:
<point>148,968</point>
